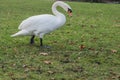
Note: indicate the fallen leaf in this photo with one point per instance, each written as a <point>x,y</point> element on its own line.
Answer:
<point>52,79</point>
<point>92,49</point>
<point>47,62</point>
<point>10,74</point>
<point>15,50</point>
<point>92,26</point>
<point>83,25</point>
<point>113,51</point>
<point>50,72</point>
<point>44,54</point>
<point>66,60</point>
<point>24,66</point>
<point>27,69</point>
<point>71,43</point>
<point>14,65</point>
<point>55,42</point>
<point>82,47</point>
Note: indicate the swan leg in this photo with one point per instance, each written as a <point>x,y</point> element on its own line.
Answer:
<point>32,39</point>
<point>43,46</point>
<point>41,42</point>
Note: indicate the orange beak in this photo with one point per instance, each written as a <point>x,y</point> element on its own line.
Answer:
<point>70,14</point>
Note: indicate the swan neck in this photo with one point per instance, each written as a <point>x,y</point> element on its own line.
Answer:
<point>55,11</point>
<point>61,17</point>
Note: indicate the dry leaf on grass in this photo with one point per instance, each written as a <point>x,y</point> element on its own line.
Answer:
<point>50,72</point>
<point>44,54</point>
<point>113,51</point>
<point>47,62</point>
<point>82,47</point>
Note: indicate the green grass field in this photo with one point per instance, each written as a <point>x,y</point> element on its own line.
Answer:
<point>87,47</point>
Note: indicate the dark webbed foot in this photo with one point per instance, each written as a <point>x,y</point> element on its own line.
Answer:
<point>45,47</point>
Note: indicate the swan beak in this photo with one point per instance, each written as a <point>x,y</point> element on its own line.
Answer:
<point>69,12</point>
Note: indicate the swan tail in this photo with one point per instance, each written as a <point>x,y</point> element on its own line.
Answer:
<point>20,33</point>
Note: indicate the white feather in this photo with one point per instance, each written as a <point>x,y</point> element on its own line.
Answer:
<point>20,33</point>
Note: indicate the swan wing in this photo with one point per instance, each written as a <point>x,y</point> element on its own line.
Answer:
<point>38,21</point>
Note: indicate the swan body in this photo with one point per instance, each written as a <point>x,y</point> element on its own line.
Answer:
<point>39,25</point>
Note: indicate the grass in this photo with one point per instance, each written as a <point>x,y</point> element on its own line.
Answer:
<point>87,47</point>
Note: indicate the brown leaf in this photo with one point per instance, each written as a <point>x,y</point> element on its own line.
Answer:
<point>55,42</point>
<point>15,50</point>
<point>44,54</point>
<point>24,66</point>
<point>82,47</point>
<point>27,69</point>
<point>10,74</point>
<point>71,43</point>
<point>66,60</point>
<point>92,49</point>
<point>50,72</point>
<point>52,79</point>
<point>47,62</point>
<point>113,51</point>
<point>83,25</point>
<point>13,64</point>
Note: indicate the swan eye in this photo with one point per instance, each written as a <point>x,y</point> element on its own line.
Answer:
<point>69,10</point>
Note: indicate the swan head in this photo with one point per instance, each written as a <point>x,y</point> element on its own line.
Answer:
<point>69,12</point>
<point>66,7</point>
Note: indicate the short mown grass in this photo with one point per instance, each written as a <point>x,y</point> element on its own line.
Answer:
<point>87,47</point>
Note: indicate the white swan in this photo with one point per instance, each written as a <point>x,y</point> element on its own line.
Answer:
<point>39,25</point>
